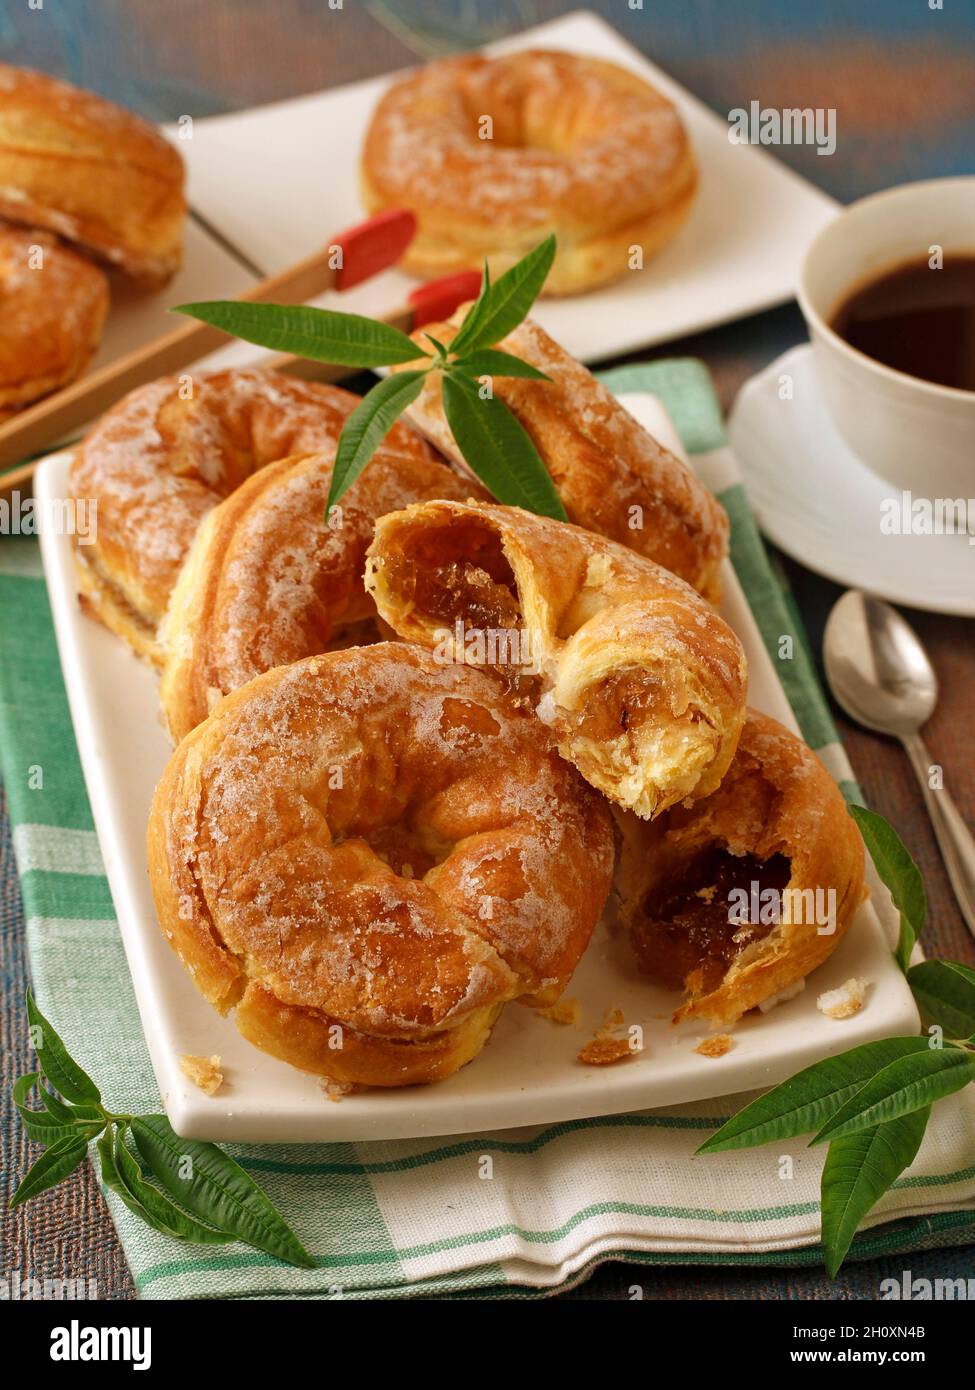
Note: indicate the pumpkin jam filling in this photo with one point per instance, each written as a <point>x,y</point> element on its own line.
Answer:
<point>691,931</point>
<point>619,706</point>
<point>457,574</point>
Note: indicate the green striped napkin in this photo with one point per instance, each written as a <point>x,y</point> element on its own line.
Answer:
<point>416,1217</point>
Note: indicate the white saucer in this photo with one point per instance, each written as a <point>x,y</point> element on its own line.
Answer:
<point>815,500</point>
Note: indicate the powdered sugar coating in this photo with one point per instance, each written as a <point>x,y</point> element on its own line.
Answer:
<point>168,452</point>
<point>52,306</point>
<point>386,840</point>
<point>573,141</point>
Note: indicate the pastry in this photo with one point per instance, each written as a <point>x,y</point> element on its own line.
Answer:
<point>97,175</point>
<point>158,461</point>
<point>494,153</point>
<point>367,854</point>
<point>640,682</point>
<point>267,581</point>
<point>700,888</point>
<point>612,476</point>
<point>52,307</point>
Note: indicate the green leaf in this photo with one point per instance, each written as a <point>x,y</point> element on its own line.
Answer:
<point>496,447</point>
<point>858,1171</point>
<point>945,992</point>
<point>906,941</point>
<point>473,316</point>
<point>217,1190</point>
<point>367,427</point>
<point>442,348</point>
<point>801,1104</point>
<point>54,1164</point>
<point>501,307</point>
<point>54,1105</point>
<point>60,1069</point>
<point>906,1085</point>
<point>350,340</point>
<point>493,362</point>
<point>899,872</point>
<point>121,1173</point>
<point>45,1127</point>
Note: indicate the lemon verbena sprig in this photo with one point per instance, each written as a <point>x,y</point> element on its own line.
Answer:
<point>491,439</point>
<point>184,1188</point>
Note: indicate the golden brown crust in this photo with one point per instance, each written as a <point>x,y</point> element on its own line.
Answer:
<point>776,803</point>
<point>267,582</point>
<point>53,304</point>
<point>640,682</point>
<point>97,175</point>
<point>368,854</point>
<point>170,451</point>
<point>576,145</point>
<point>612,476</point>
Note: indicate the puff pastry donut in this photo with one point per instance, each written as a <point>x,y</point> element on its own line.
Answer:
<point>52,307</point>
<point>158,461</point>
<point>701,888</point>
<point>641,683</point>
<point>367,854</point>
<point>267,581</point>
<point>92,172</point>
<point>493,153</point>
<point>612,476</point>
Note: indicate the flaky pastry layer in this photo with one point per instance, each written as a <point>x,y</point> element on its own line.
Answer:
<point>640,682</point>
<point>269,580</point>
<point>96,174</point>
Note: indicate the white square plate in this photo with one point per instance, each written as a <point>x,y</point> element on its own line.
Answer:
<point>278,180</point>
<point>528,1073</point>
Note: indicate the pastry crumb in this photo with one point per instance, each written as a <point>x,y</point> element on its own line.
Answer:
<point>715,1046</point>
<point>203,1072</point>
<point>335,1090</point>
<point>845,1001</point>
<point>604,1047</point>
<point>565,1011</point>
<point>603,1050</point>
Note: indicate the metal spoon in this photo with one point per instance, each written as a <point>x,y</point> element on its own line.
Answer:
<point>880,674</point>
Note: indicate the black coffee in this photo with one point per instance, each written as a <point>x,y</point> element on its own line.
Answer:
<point>917,320</point>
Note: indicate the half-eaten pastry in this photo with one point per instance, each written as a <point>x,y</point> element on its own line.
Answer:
<point>737,898</point>
<point>642,685</point>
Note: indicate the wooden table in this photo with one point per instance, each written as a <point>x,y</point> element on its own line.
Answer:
<point>898,74</point>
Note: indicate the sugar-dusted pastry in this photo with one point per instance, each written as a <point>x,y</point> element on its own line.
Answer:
<point>268,581</point>
<point>641,683</point>
<point>367,854</point>
<point>53,304</point>
<point>612,476</point>
<point>737,898</point>
<point>493,153</point>
<point>158,461</point>
<point>95,174</point>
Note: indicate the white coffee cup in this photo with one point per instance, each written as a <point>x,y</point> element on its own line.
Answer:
<point>910,432</point>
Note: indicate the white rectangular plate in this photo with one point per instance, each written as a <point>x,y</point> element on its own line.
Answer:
<point>278,179</point>
<point>528,1073</point>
